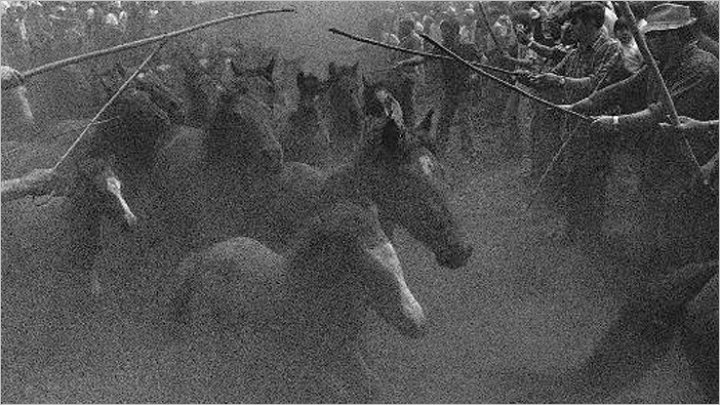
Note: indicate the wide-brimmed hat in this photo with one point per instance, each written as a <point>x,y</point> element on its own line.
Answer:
<point>667,16</point>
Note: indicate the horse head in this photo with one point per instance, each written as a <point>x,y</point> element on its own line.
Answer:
<point>255,82</point>
<point>342,259</point>
<point>242,131</point>
<point>98,187</point>
<point>405,178</point>
<point>309,86</point>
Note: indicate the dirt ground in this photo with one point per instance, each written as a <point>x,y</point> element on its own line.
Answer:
<point>526,309</point>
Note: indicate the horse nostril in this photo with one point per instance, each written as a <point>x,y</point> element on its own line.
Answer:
<point>455,257</point>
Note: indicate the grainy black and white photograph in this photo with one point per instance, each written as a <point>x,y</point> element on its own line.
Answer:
<point>359,202</point>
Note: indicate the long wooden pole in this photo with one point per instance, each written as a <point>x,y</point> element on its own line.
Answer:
<point>122,88</point>
<point>411,51</point>
<point>141,42</point>
<point>505,84</point>
<point>665,97</point>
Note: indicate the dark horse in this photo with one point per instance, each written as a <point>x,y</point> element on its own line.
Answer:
<point>395,169</point>
<point>216,181</point>
<point>303,141</point>
<point>305,310</point>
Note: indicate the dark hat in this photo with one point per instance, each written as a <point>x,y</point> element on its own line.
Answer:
<point>578,8</point>
<point>667,16</point>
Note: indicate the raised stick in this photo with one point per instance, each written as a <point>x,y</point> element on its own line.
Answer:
<point>95,54</point>
<point>665,97</point>
<point>105,107</point>
<point>410,51</point>
<point>504,83</point>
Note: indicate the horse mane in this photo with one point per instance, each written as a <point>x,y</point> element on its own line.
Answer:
<point>236,112</point>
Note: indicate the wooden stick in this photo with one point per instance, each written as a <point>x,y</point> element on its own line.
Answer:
<point>141,42</point>
<point>506,84</point>
<point>665,97</point>
<point>105,107</point>
<point>413,52</point>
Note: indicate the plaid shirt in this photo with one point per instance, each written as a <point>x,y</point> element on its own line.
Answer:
<point>691,78</point>
<point>593,64</point>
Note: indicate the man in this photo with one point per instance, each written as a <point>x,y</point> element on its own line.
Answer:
<point>405,78</point>
<point>632,58</point>
<point>691,75</point>
<point>455,84</point>
<point>585,69</point>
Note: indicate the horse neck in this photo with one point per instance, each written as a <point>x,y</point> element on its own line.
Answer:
<point>134,155</point>
<point>306,117</point>
<point>307,102</point>
<point>323,321</point>
<point>346,122</point>
<point>345,182</point>
<point>198,106</point>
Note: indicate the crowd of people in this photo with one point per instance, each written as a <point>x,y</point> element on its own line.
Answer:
<point>581,55</point>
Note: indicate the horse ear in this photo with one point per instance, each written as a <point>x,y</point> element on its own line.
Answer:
<point>268,74</point>
<point>332,69</point>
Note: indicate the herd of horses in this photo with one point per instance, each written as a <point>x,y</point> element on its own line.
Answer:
<point>217,214</point>
<point>213,205</point>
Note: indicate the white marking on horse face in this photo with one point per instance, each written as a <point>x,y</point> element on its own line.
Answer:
<point>113,186</point>
<point>426,164</point>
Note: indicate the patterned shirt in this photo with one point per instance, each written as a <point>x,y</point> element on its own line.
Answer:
<point>593,64</point>
<point>691,78</point>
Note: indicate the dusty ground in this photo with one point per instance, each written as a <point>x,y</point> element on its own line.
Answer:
<point>526,308</point>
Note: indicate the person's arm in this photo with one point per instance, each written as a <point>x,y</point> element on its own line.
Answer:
<point>38,182</point>
<point>630,89</point>
<point>548,52</point>
<point>608,58</point>
<point>684,94</point>
<point>693,128</point>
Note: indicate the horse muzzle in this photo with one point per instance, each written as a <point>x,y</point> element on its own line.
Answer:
<point>455,256</point>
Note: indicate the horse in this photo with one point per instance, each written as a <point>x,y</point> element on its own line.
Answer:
<point>394,168</point>
<point>660,314</point>
<point>207,176</point>
<point>302,141</point>
<point>306,309</point>
<point>203,84</point>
